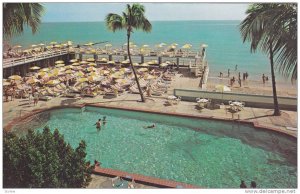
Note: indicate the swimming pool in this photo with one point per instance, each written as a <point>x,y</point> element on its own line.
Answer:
<point>207,153</point>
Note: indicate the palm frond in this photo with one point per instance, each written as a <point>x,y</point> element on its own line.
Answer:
<point>114,22</point>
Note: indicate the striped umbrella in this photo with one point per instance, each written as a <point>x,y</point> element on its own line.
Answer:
<point>59,62</point>
<point>15,77</point>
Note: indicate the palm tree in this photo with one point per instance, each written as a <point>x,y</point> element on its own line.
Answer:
<point>132,18</point>
<point>16,15</point>
<point>272,28</point>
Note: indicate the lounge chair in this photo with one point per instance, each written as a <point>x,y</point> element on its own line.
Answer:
<point>43,96</point>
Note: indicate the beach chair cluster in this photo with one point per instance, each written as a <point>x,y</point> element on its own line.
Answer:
<point>236,106</point>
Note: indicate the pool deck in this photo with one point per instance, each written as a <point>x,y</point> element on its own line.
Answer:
<point>262,118</point>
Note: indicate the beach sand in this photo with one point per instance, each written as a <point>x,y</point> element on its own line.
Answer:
<point>184,81</point>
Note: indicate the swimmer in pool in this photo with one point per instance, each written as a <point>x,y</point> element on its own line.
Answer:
<point>98,125</point>
<point>104,120</point>
<point>151,126</point>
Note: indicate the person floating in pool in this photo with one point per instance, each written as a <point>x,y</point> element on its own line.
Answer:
<point>98,125</point>
<point>151,126</point>
<point>104,120</point>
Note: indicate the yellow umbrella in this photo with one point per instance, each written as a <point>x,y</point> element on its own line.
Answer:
<point>17,46</point>
<point>135,64</point>
<point>53,42</point>
<point>73,60</point>
<point>75,64</point>
<point>108,45</point>
<point>45,69</point>
<point>52,82</point>
<point>204,45</point>
<point>79,74</point>
<point>32,81</point>
<point>126,61</point>
<point>84,62</point>
<point>163,64</point>
<point>78,68</point>
<point>84,79</point>
<point>90,60</point>
<point>143,69</point>
<point>60,65</point>
<point>15,77</point>
<point>187,46</point>
<point>103,60</point>
<point>42,73</point>
<point>111,62</point>
<point>144,65</point>
<point>153,62</point>
<point>92,64</point>
<point>69,67</point>
<point>91,69</point>
<point>69,71</point>
<point>34,68</point>
<point>58,62</point>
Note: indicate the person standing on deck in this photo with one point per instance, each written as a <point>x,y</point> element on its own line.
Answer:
<point>264,79</point>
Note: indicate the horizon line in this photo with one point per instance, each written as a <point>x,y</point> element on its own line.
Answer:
<point>151,21</point>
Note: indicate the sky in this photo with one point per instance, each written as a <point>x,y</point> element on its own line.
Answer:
<point>81,12</point>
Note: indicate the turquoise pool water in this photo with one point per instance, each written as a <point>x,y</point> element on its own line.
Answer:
<point>207,153</point>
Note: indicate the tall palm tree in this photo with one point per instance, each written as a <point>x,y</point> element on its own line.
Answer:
<point>272,28</point>
<point>132,18</point>
<point>16,15</point>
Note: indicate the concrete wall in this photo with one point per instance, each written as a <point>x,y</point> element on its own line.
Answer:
<point>259,101</point>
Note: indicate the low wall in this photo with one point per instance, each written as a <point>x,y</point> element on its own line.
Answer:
<point>259,101</point>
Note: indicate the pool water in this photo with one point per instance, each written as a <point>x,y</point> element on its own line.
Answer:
<point>206,153</point>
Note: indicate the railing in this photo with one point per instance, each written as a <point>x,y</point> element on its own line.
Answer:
<point>27,59</point>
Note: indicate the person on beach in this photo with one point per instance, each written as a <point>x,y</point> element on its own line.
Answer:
<point>243,185</point>
<point>148,91</point>
<point>104,120</point>
<point>98,125</point>
<point>35,98</point>
<point>236,67</point>
<point>151,126</point>
<point>246,75</point>
<point>13,93</point>
<point>239,75</point>
<point>228,72</point>
<point>221,74</point>
<point>6,91</point>
<point>240,82</point>
<point>263,78</point>
<point>267,78</point>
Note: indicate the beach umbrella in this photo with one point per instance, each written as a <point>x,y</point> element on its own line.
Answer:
<point>175,44</point>
<point>187,46</point>
<point>120,80</point>
<point>59,62</point>
<point>53,43</point>
<point>73,60</point>
<point>45,69</point>
<point>79,74</point>
<point>32,81</point>
<point>15,77</point>
<point>136,64</point>
<point>142,69</point>
<point>34,68</point>
<point>104,72</point>
<point>69,67</point>
<point>108,45</point>
<point>125,61</point>
<point>163,64</point>
<point>41,44</point>
<point>145,45</point>
<point>69,43</point>
<point>144,65</point>
<point>75,64</point>
<point>6,83</point>
<point>111,62</point>
<point>57,46</point>
<point>84,62</point>
<point>60,65</point>
<point>103,60</point>
<point>83,79</point>
<point>34,45</point>
<point>69,71</point>
<point>92,64</point>
<point>53,82</point>
<point>91,69</point>
<point>204,45</point>
<point>153,62</point>
<point>162,44</point>
<point>90,60</point>
<point>89,44</point>
<point>41,73</point>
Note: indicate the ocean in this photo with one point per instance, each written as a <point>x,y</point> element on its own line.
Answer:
<point>225,46</point>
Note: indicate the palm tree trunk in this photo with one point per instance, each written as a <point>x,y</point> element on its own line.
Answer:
<point>276,107</point>
<point>136,78</point>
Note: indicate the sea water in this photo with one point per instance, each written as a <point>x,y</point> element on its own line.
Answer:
<point>207,153</point>
<point>225,45</point>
